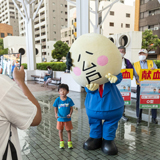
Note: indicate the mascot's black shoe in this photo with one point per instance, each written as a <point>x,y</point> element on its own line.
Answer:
<point>109,147</point>
<point>92,144</point>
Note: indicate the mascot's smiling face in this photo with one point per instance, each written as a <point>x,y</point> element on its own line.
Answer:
<point>93,56</point>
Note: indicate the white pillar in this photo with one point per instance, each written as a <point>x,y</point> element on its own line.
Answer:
<point>29,16</point>
<point>83,16</point>
<point>97,27</point>
<point>30,40</point>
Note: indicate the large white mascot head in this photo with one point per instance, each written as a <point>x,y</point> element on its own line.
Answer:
<point>93,56</point>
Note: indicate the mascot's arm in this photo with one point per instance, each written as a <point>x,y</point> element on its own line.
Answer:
<point>91,88</point>
<point>114,79</point>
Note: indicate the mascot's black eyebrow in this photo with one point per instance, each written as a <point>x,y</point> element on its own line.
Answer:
<point>89,52</point>
<point>79,57</point>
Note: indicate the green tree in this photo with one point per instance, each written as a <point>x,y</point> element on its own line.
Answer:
<point>150,41</point>
<point>60,50</point>
<point>2,50</point>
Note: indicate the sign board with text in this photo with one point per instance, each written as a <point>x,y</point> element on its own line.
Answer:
<point>125,85</point>
<point>150,89</point>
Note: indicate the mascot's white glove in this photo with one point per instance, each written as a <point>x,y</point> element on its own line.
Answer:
<point>92,86</point>
<point>111,78</point>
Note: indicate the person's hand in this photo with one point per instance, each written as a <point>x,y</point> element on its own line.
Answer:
<point>1,70</point>
<point>56,116</point>
<point>152,68</point>
<point>19,75</point>
<point>111,78</point>
<point>69,116</point>
<point>92,86</point>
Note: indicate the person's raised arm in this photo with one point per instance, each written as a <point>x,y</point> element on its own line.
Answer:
<point>19,77</point>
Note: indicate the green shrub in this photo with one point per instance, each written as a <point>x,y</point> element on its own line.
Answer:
<point>25,65</point>
<point>56,66</point>
<point>157,62</point>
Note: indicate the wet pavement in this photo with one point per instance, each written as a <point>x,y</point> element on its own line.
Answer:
<point>42,142</point>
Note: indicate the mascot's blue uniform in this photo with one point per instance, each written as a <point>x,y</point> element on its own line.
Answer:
<point>108,108</point>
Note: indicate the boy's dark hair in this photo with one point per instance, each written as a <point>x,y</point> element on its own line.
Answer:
<point>48,67</point>
<point>63,86</point>
<point>122,47</point>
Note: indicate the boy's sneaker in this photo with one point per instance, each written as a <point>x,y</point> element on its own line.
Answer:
<point>61,145</point>
<point>70,146</point>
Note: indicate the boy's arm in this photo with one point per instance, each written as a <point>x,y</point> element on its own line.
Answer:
<point>71,111</point>
<point>56,111</point>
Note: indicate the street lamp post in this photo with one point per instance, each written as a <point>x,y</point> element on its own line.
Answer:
<point>29,17</point>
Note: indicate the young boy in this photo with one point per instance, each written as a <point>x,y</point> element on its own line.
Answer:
<point>63,111</point>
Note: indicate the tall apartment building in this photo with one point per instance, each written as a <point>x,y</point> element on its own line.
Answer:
<point>147,16</point>
<point>9,15</point>
<point>51,18</point>
<point>69,34</point>
<point>120,19</point>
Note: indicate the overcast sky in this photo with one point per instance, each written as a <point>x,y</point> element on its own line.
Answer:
<point>129,2</point>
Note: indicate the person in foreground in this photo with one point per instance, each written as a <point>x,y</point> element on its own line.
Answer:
<point>63,111</point>
<point>143,63</point>
<point>18,109</point>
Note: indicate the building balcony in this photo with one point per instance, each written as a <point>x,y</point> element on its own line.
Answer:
<point>37,19</point>
<point>150,20</point>
<point>43,30</point>
<point>42,16</point>
<point>37,32</point>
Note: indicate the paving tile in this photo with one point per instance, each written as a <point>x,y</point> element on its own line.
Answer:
<point>42,142</point>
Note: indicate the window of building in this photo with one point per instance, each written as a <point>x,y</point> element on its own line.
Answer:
<point>142,2</point>
<point>53,3</point>
<point>127,25</point>
<point>65,12</point>
<point>66,6</point>
<point>61,5</point>
<point>128,15</point>
<point>121,25</point>
<point>48,53</point>
<point>112,13</point>
<point>54,17</point>
<point>65,34</point>
<point>66,19</point>
<point>53,10</point>
<point>141,15</point>
<point>151,13</point>
<point>111,24</point>
<point>61,11</point>
<point>54,32</point>
<point>151,27</point>
<point>72,21</point>
<point>12,17</point>
<point>61,18</point>
<point>54,25</point>
<point>9,34</point>
<point>110,33</point>
<point>2,35</point>
<point>54,39</point>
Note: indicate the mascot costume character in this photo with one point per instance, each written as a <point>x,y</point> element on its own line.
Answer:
<point>96,65</point>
